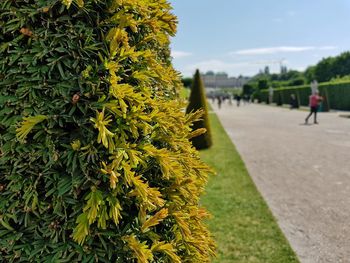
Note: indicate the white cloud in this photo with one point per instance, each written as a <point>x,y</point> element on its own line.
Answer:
<point>233,68</point>
<point>214,64</point>
<point>180,54</point>
<point>271,50</point>
<point>328,48</point>
<point>281,49</point>
<point>270,62</point>
<point>246,68</point>
<point>244,62</point>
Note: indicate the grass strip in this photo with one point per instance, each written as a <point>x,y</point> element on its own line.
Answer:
<point>242,224</point>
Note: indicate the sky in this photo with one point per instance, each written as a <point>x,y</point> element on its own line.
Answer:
<point>240,37</point>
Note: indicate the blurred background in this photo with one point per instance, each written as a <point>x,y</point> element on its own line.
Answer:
<point>262,65</point>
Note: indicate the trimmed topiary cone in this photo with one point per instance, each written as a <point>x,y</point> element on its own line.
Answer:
<point>95,161</point>
<point>197,101</point>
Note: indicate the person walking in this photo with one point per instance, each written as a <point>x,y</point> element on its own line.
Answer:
<point>293,102</point>
<point>219,101</point>
<point>238,98</point>
<point>314,102</point>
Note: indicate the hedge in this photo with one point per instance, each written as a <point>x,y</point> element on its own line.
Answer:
<point>198,101</point>
<point>95,159</point>
<point>336,95</point>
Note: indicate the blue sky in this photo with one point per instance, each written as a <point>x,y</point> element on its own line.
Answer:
<point>242,36</point>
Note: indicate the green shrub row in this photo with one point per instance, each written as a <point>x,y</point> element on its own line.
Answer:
<point>336,95</point>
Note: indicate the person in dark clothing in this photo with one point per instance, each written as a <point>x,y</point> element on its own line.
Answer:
<point>219,101</point>
<point>293,102</point>
<point>238,98</point>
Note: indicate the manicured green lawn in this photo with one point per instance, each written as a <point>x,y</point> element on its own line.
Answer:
<point>242,224</point>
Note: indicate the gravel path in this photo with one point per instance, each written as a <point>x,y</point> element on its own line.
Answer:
<point>302,171</point>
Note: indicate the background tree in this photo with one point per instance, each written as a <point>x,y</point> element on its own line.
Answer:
<point>329,68</point>
<point>324,70</point>
<point>267,70</point>
<point>310,74</point>
<point>342,65</point>
<point>247,89</point>
<point>297,82</point>
<point>187,82</point>
<point>95,161</point>
<point>263,83</point>
<point>197,101</point>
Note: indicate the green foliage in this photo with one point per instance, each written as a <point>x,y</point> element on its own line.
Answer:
<point>310,74</point>
<point>291,75</point>
<point>187,82</point>
<point>95,160</point>
<point>247,89</point>
<point>256,96</point>
<point>197,101</point>
<point>297,82</point>
<point>324,69</point>
<point>345,78</point>
<point>277,97</point>
<point>329,68</point>
<point>286,78</point>
<point>336,95</point>
<point>263,84</point>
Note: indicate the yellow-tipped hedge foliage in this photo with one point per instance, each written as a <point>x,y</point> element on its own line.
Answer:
<point>95,162</point>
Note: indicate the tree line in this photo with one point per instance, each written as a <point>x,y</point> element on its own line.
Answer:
<point>328,69</point>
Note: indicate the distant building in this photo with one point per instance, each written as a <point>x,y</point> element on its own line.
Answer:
<point>221,80</point>
<point>209,79</point>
